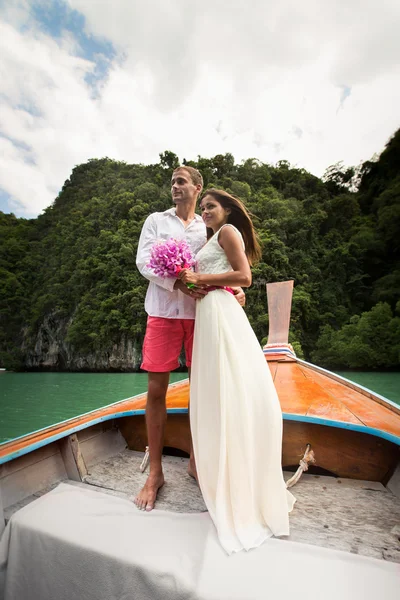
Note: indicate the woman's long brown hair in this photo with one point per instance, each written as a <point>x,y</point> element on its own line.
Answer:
<point>240,218</point>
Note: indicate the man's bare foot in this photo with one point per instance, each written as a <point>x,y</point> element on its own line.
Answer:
<point>192,471</point>
<point>146,498</point>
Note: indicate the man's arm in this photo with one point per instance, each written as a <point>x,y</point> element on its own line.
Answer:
<point>148,237</point>
<point>240,295</point>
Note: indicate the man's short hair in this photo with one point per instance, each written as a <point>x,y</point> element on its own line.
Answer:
<point>195,175</point>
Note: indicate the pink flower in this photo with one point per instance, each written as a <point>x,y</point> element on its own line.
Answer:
<point>168,258</point>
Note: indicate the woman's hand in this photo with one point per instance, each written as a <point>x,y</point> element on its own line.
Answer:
<point>188,276</point>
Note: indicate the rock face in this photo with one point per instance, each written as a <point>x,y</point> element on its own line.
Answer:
<point>51,351</point>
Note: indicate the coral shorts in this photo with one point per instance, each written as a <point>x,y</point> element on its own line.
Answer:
<point>163,343</point>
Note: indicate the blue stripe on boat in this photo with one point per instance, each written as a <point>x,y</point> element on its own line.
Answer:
<point>132,413</point>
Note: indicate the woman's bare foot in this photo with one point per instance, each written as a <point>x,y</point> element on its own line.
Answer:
<point>146,498</point>
<point>192,471</point>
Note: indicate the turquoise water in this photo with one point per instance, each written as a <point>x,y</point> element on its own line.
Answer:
<point>385,384</point>
<point>30,401</point>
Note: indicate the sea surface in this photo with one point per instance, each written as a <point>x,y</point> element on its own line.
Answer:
<point>30,401</point>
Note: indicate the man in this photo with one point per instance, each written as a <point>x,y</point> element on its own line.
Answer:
<point>170,306</point>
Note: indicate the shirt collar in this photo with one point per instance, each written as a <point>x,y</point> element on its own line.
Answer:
<point>172,212</point>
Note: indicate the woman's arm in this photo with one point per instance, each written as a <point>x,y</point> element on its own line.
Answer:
<point>229,240</point>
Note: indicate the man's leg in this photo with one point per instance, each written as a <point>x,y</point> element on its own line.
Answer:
<point>161,347</point>
<point>188,343</point>
<point>155,422</point>
<point>192,462</point>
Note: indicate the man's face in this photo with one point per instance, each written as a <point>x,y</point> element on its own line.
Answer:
<point>183,190</point>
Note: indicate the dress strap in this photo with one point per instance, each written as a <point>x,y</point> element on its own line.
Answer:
<point>234,228</point>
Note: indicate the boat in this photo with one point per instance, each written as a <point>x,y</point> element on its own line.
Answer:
<point>351,434</point>
<point>355,433</point>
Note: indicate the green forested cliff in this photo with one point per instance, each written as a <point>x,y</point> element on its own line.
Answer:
<point>69,286</point>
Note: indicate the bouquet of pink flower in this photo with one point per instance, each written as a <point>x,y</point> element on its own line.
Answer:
<point>168,258</point>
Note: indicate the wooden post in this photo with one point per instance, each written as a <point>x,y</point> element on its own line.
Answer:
<point>73,458</point>
<point>279,308</point>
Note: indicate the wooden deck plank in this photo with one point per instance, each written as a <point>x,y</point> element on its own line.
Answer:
<point>332,409</point>
<point>297,396</point>
<point>293,395</point>
<point>369,412</point>
<point>273,367</point>
<point>326,398</point>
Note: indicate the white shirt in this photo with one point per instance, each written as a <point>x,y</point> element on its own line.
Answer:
<point>161,298</point>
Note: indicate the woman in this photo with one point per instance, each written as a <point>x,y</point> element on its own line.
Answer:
<point>235,415</point>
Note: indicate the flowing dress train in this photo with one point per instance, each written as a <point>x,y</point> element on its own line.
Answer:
<point>236,419</point>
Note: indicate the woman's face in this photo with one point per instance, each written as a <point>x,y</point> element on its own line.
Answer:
<point>213,213</point>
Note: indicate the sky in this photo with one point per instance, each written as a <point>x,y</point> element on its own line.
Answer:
<point>312,82</point>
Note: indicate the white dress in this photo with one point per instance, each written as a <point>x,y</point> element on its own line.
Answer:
<point>236,419</point>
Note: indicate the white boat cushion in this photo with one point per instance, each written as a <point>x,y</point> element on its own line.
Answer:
<point>78,543</point>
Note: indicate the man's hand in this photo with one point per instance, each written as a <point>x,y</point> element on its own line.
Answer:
<point>195,293</point>
<point>240,295</point>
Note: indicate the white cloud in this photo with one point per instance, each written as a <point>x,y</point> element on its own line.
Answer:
<point>262,79</point>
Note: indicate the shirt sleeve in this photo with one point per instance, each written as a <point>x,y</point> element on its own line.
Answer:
<point>148,237</point>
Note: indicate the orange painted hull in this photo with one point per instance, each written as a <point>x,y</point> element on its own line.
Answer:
<point>308,391</point>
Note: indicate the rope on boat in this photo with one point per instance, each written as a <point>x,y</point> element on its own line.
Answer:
<point>307,459</point>
<point>145,461</point>
<point>303,466</point>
